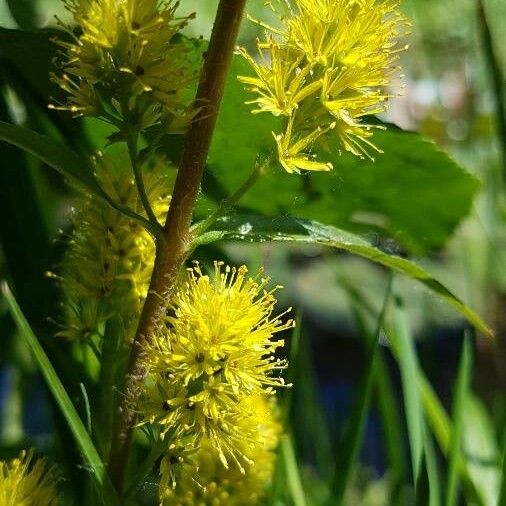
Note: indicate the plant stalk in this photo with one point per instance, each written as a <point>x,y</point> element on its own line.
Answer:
<point>172,252</point>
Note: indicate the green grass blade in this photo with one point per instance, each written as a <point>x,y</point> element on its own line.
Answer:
<point>455,450</point>
<point>82,437</point>
<point>392,429</point>
<point>294,482</point>
<point>353,437</point>
<point>311,418</point>
<point>441,427</point>
<point>433,474</point>
<point>502,491</point>
<point>404,347</point>
<point>385,397</point>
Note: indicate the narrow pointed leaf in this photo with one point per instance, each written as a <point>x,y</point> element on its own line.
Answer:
<point>77,427</point>
<point>351,444</point>
<point>502,492</point>
<point>290,229</point>
<point>404,347</point>
<point>295,487</point>
<point>441,426</point>
<point>461,393</point>
<point>433,475</point>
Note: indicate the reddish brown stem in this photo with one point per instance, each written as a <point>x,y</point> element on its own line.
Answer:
<point>172,252</point>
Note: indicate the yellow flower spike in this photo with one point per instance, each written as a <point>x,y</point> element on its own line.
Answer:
<point>336,60</point>
<point>214,348</point>
<point>23,483</point>
<point>107,266</point>
<point>203,480</point>
<point>124,50</point>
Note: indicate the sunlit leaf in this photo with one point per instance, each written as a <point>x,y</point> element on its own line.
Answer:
<point>289,229</point>
<point>398,196</point>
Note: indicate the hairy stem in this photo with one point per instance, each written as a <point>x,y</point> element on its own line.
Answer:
<point>172,252</point>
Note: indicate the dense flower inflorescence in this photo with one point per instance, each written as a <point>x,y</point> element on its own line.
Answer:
<point>215,485</point>
<point>23,483</point>
<point>213,350</point>
<point>322,71</point>
<point>108,264</point>
<point>124,61</point>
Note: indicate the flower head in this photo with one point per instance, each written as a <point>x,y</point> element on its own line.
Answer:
<point>107,266</point>
<point>124,61</point>
<point>213,484</point>
<point>214,347</point>
<point>23,483</point>
<point>326,67</point>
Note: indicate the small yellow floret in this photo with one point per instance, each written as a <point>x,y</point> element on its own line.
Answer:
<point>25,484</point>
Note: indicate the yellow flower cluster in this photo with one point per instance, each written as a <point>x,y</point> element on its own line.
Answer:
<point>124,61</point>
<point>322,71</point>
<point>216,485</point>
<point>107,267</point>
<point>23,484</point>
<point>213,350</point>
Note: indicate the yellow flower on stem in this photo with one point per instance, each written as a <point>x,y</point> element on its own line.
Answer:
<point>23,483</point>
<point>213,348</point>
<point>124,58</point>
<point>108,263</point>
<point>202,479</point>
<point>329,64</point>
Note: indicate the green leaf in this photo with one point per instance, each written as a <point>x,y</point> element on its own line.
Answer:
<point>286,228</point>
<point>392,423</point>
<point>295,487</point>
<point>348,453</point>
<point>461,393</point>
<point>82,437</point>
<point>480,447</point>
<point>502,493</point>
<point>433,475</point>
<point>403,345</point>
<point>442,428</point>
<point>388,196</point>
<point>56,155</point>
<point>312,429</point>
<point>385,395</point>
